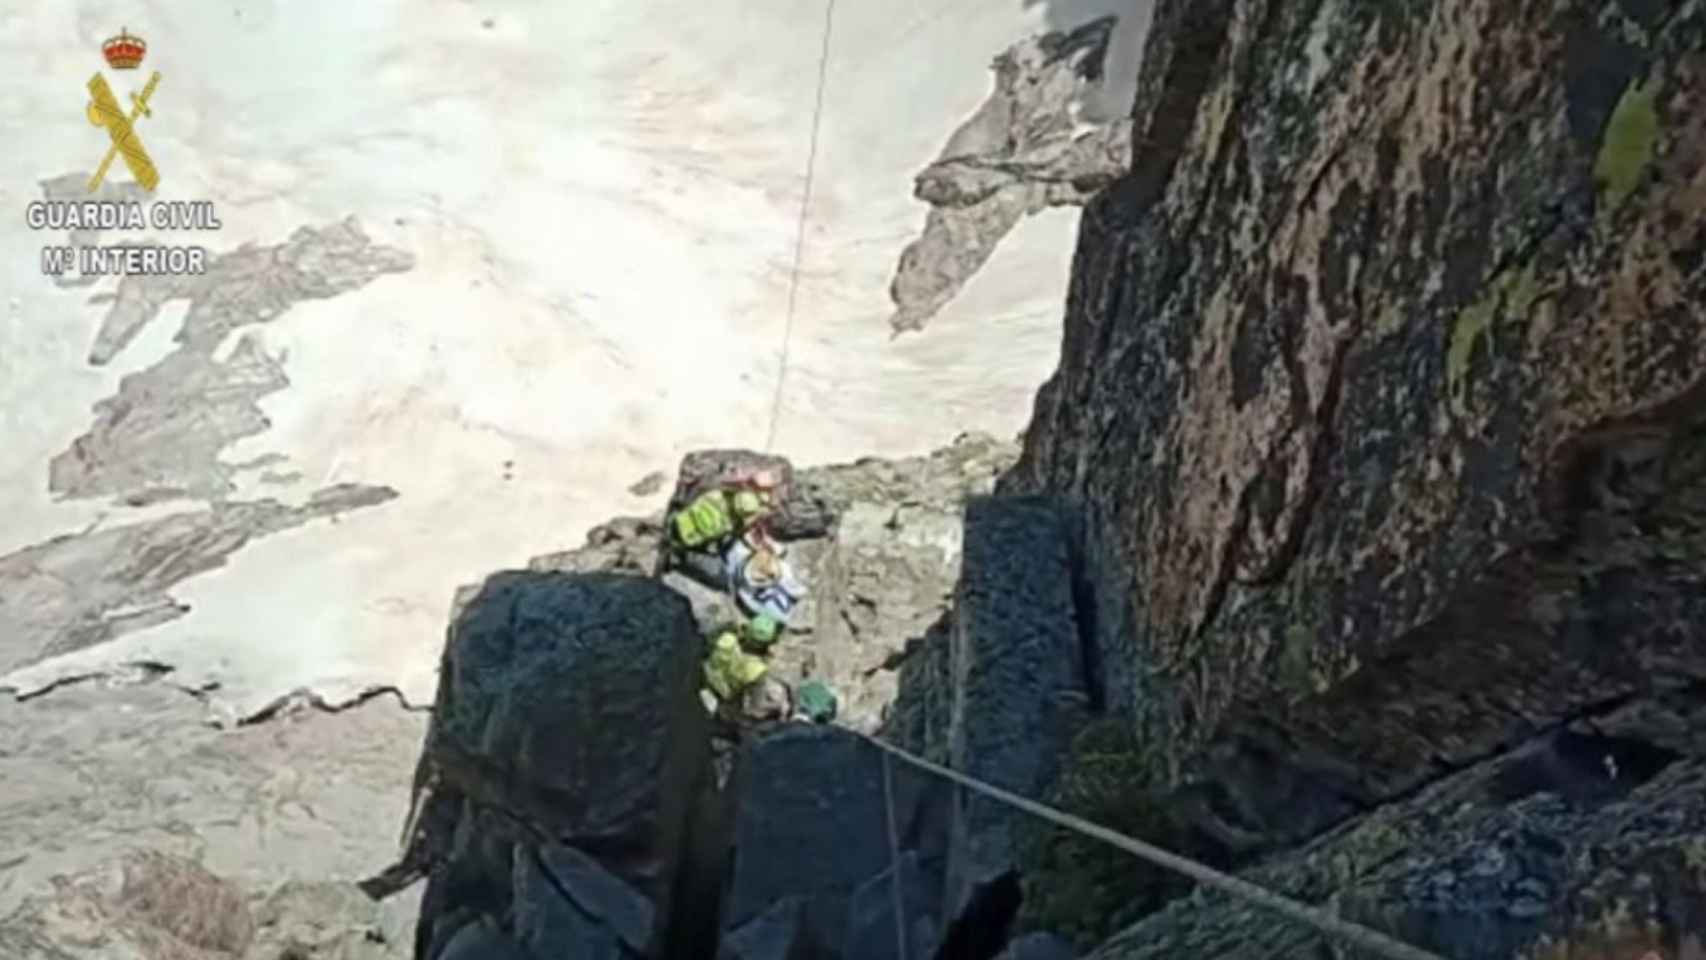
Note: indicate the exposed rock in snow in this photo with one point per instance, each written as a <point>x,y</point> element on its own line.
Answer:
<point>1024,150</point>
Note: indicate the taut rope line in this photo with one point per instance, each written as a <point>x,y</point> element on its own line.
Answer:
<point>800,229</point>
<point>1336,927</point>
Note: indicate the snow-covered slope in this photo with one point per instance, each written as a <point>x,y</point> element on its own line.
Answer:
<point>570,261</point>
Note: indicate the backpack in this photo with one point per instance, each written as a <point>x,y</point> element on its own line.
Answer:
<point>704,521</point>
<point>816,701</point>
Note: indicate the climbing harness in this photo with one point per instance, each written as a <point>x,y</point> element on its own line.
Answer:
<point>800,229</point>
<point>1336,927</point>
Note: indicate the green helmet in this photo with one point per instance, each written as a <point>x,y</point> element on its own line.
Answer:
<point>816,701</point>
<point>747,503</point>
<point>763,629</point>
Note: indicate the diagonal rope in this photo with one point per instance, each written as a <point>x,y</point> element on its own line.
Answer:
<point>800,230</point>
<point>1333,926</point>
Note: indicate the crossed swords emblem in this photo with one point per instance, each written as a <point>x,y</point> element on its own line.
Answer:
<point>104,111</point>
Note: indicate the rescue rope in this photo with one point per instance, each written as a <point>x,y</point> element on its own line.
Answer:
<point>1336,927</point>
<point>800,231</point>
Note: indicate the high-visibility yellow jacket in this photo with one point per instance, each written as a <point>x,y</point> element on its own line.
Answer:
<point>716,515</point>
<point>729,670</point>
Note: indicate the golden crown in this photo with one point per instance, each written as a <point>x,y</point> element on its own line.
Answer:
<point>125,51</point>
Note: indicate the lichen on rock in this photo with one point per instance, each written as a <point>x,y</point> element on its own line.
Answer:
<point>1627,148</point>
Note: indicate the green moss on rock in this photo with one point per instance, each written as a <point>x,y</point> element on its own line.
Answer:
<point>1514,292</point>
<point>1626,148</point>
<point>1077,886</point>
<point>1473,322</point>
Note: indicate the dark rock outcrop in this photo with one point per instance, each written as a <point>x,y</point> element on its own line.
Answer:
<point>813,871</point>
<point>567,903</point>
<point>1026,149</point>
<point>1551,851</point>
<point>1383,386</point>
<point>567,750</point>
<point>1018,678</point>
<point>1363,330</point>
<point>1039,946</point>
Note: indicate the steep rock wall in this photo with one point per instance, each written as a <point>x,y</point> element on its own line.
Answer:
<point>1383,385</point>
<point>1390,347</point>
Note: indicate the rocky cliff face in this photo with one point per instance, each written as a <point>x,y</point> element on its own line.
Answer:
<point>1383,390</point>
<point>1391,304</point>
<point>1358,546</point>
<point>558,777</point>
<point>573,794</point>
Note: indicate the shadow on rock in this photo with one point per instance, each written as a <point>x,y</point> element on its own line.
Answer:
<point>557,785</point>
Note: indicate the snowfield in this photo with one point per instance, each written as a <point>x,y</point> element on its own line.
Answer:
<point>597,204</point>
